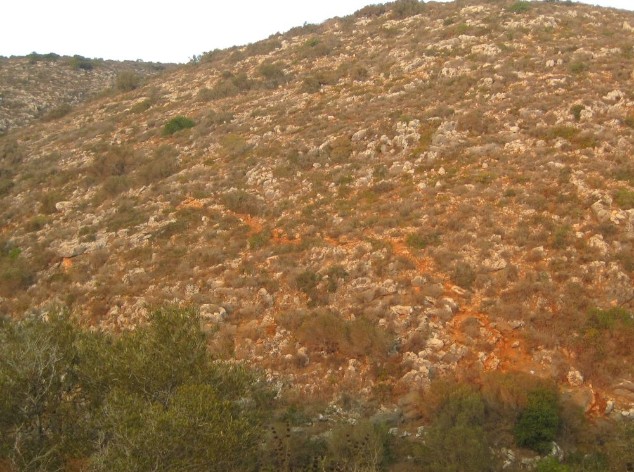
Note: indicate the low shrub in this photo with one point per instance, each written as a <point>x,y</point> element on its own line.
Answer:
<point>422,240</point>
<point>520,6</point>
<point>327,333</point>
<point>234,145</point>
<point>578,67</point>
<point>273,73</point>
<point>229,85</point>
<point>127,81</point>
<point>463,275</point>
<point>242,202</point>
<point>576,110</point>
<point>624,198</point>
<point>142,106</point>
<point>178,123</point>
<point>316,47</point>
<point>162,164</point>
<point>58,112</point>
<point>259,240</point>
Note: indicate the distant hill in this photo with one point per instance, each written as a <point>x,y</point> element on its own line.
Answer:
<point>49,85</point>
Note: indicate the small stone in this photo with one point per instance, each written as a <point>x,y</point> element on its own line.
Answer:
<point>401,310</point>
<point>418,281</point>
<point>516,324</point>
<point>359,135</point>
<point>63,206</point>
<point>435,343</point>
<point>574,377</point>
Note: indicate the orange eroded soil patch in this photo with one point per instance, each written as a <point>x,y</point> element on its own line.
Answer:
<point>505,349</point>
<point>255,224</point>
<point>67,263</point>
<point>191,202</point>
<point>280,237</point>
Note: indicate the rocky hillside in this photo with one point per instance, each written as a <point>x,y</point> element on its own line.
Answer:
<point>47,86</point>
<point>363,205</point>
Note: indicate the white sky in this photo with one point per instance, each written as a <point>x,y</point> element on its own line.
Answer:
<point>161,30</point>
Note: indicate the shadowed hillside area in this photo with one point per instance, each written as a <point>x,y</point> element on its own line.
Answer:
<point>403,239</point>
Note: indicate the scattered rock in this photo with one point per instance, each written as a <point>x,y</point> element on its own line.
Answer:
<point>213,313</point>
<point>574,377</point>
<point>401,310</point>
<point>435,344</point>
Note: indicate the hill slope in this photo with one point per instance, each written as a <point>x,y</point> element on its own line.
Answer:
<point>363,205</point>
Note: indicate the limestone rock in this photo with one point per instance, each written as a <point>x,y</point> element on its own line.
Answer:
<point>574,377</point>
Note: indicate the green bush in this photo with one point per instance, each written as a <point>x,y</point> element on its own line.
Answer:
<point>11,153</point>
<point>315,47</point>
<point>142,106</point>
<point>422,240</point>
<point>176,124</point>
<point>550,464</point>
<point>83,63</point>
<point>273,73</point>
<point>48,200</point>
<point>520,6</point>
<point>259,240</point>
<point>406,8</point>
<point>576,110</point>
<point>307,282</point>
<point>35,57</point>
<point>58,112</point>
<point>16,274</point>
<point>463,275</point>
<point>538,423</point>
<point>624,198</point>
<point>311,84</point>
<point>578,67</point>
<point>242,202</point>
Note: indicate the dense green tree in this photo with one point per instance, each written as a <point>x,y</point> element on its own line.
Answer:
<point>147,399</point>
<point>41,410</point>
<point>538,424</point>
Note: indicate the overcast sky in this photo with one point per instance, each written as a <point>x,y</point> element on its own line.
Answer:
<point>159,30</point>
